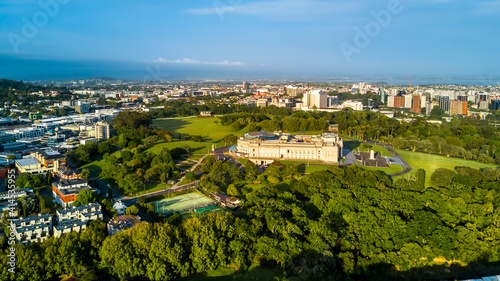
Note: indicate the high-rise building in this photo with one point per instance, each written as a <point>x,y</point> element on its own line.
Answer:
<point>315,98</point>
<point>428,108</point>
<point>415,104</point>
<point>462,98</point>
<point>390,101</point>
<point>408,100</point>
<point>245,85</point>
<point>444,103</point>
<point>495,105</point>
<point>459,107</point>
<point>399,102</point>
<point>383,95</point>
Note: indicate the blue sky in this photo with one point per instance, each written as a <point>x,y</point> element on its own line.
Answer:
<point>242,38</point>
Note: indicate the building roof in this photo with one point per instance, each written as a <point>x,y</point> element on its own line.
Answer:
<point>68,171</point>
<point>74,209</point>
<point>262,134</point>
<point>119,205</point>
<point>124,222</point>
<point>50,154</point>
<point>27,162</point>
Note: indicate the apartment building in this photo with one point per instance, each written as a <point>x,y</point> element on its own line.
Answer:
<point>65,191</point>
<point>33,228</point>
<point>76,218</point>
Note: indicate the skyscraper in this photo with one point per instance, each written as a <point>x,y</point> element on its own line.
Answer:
<point>415,104</point>
<point>444,103</point>
<point>458,107</point>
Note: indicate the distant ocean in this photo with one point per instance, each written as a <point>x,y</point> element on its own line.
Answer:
<point>36,69</point>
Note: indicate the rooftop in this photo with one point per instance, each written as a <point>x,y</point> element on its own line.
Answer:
<point>27,162</point>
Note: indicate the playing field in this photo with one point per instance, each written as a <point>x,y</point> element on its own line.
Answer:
<point>181,203</point>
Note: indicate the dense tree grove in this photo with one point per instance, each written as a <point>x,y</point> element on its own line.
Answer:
<point>133,169</point>
<point>332,225</point>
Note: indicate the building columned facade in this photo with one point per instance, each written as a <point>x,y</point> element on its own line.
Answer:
<point>265,147</point>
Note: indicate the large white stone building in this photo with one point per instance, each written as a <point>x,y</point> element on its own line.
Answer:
<point>265,147</point>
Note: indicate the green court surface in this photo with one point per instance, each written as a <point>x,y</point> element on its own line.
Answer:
<point>181,203</point>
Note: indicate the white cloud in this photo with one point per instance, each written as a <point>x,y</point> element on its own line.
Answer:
<point>288,10</point>
<point>193,61</point>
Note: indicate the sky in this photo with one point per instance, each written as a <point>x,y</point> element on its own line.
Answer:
<point>270,39</point>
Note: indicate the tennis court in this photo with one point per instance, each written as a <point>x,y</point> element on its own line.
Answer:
<point>182,203</point>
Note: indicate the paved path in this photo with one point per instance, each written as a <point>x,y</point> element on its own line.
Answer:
<point>407,167</point>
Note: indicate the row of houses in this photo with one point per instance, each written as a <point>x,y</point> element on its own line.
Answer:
<point>42,226</point>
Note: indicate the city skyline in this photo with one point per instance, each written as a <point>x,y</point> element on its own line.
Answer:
<point>298,39</point>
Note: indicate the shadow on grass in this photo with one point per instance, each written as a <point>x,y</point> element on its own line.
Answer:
<point>170,124</point>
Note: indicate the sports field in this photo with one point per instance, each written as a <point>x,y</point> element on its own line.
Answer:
<point>181,203</point>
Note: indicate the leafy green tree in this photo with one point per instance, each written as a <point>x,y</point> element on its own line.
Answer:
<point>105,147</point>
<point>442,176</point>
<point>190,176</point>
<point>84,197</point>
<point>420,179</point>
<point>251,171</point>
<point>85,174</point>
<point>230,139</point>
<point>233,190</point>
<point>132,210</point>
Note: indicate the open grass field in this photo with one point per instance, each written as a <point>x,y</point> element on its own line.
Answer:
<point>211,132</point>
<point>175,204</point>
<point>430,163</point>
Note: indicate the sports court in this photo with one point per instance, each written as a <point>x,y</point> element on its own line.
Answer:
<point>182,203</point>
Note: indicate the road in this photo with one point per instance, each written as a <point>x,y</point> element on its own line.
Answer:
<point>407,167</point>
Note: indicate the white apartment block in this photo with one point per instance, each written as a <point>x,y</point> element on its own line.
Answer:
<point>33,229</point>
<point>76,218</point>
<point>315,98</point>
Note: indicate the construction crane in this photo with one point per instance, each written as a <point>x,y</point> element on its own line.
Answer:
<point>410,82</point>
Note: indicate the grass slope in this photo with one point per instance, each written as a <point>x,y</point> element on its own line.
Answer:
<point>430,163</point>
<point>211,132</point>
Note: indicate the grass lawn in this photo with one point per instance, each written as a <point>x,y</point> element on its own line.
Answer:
<point>316,168</point>
<point>430,163</point>
<point>393,169</point>
<point>98,164</point>
<point>49,204</point>
<point>152,187</point>
<point>254,273</point>
<point>211,132</point>
<point>243,160</point>
<point>377,148</point>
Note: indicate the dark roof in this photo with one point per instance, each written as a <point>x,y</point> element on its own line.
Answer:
<point>50,154</point>
<point>377,162</point>
<point>70,171</point>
